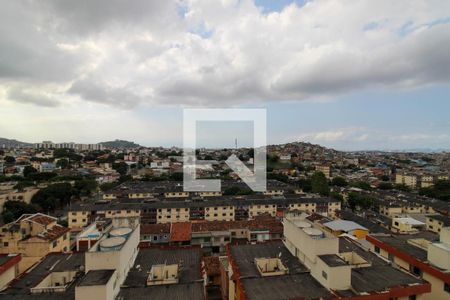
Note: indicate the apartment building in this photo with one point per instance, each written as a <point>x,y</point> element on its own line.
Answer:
<point>409,180</point>
<point>9,268</point>
<point>207,209</point>
<point>16,195</point>
<point>325,169</point>
<point>435,223</point>
<point>422,255</point>
<point>34,236</point>
<point>341,265</point>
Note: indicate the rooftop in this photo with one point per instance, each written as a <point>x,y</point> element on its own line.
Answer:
<point>244,256</point>
<point>96,277</point>
<point>379,278</point>
<point>332,260</point>
<point>188,260</point>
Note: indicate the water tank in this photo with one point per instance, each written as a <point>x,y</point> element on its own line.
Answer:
<point>120,232</point>
<point>112,244</point>
<point>313,232</point>
<point>302,224</point>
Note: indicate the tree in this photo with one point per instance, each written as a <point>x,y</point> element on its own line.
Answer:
<point>337,196</point>
<point>107,186</point>
<point>339,181</point>
<point>441,190</point>
<point>44,176</point>
<point>362,185</point>
<point>177,176</point>
<point>359,200</point>
<point>28,170</point>
<point>319,184</point>
<point>85,187</point>
<point>62,163</point>
<point>53,196</point>
<point>385,186</point>
<point>12,210</point>
<point>385,178</point>
<point>9,159</point>
<point>121,168</point>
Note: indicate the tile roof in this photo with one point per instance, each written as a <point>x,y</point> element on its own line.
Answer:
<point>155,228</point>
<point>212,265</point>
<point>180,232</point>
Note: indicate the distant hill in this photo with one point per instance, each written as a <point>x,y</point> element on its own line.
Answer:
<point>121,144</point>
<point>7,143</point>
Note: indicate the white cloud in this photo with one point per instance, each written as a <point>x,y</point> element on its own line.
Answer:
<point>219,52</point>
<point>341,134</point>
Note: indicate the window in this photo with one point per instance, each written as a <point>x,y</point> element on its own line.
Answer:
<point>396,223</point>
<point>324,275</point>
<point>6,244</point>
<point>447,287</point>
<point>377,249</point>
<point>412,297</point>
<point>54,244</point>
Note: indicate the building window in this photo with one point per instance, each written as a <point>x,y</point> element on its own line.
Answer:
<point>54,244</point>
<point>377,249</point>
<point>447,287</point>
<point>324,275</point>
<point>5,244</point>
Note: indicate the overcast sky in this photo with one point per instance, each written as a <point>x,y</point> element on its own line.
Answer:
<point>345,74</point>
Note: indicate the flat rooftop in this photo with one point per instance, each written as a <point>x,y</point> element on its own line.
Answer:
<point>188,260</point>
<point>53,262</point>
<point>245,255</point>
<point>379,278</point>
<point>191,291</point>
<point>297,286</point>
<point>96,277</point>
<point>333,260</point>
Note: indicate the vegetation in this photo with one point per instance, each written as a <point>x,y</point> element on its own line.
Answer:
<point>385,186</point>
<point>339,181</point>
<point>54,196</point>
<point>12,210</point>
<point>441,190</point>
<point>235,190</point>
<point>319,184</point>
<point>121,168</point>
<point>361,185</point>
<point>358,200</point>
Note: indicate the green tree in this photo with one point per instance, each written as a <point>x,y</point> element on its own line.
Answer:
<point>29,170</point>
<point>177,176</point>
<point>385,186</point>
<point>12,210</point>
<point>62,163</point>
<point>53,196</point>
<point>85,187</point>
<point>121,168</point>
<point>362,185</point>
<point>9,159</point>
<point>339,181</point>
<point>319,184</point>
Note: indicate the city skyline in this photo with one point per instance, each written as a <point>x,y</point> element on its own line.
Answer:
<point>351,77</point>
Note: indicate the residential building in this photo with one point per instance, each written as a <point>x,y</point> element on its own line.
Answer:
<point>34,236</point>
<point>422,255</point>
<point>435,223</point>
<point>9,268</point>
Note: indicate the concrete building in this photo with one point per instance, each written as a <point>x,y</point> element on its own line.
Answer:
<point>410,180</point>
<point>226,208</point>
<point>34,236</point>
<point>435,223</point>
<point>422,255</point>
<point>9,268</point>
<point>325,169</point>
